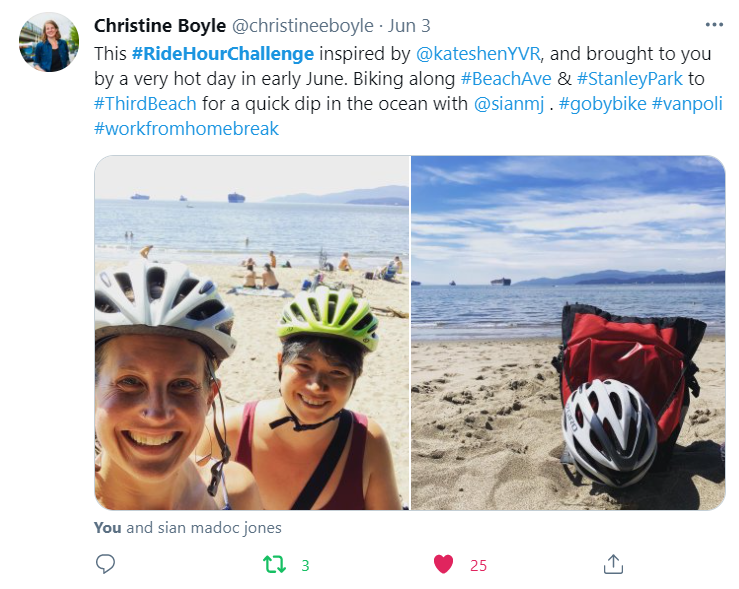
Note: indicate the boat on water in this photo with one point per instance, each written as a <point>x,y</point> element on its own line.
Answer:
<point>452,283</point>
<point>501,282</point>
<point>415,283</point>
<point>138,196</point>
<point>234,197</point>
<point>183,198</point>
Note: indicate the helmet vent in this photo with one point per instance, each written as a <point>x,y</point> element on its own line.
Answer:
<point>225,327</point>
<point>634,402</point>
<point>585,457</point>
<point>616,402</point>
<point>105,278</point>
<point>314,309</point>
<point>596,442</point>
<point>373,328</point>
<point>632,438</point>
<point>608,428</point>
<point>124,282</point>
<point>207,287</point>
<point>348,313</point>
<point>578,416</point>
<point>104,304</point>
<point>185,289</point>
<point>155,280</point>
<point>206,310</point>
<point>593,398</point>
<point>332,300</point>
<point>364,322</point>
<point>298,313</point>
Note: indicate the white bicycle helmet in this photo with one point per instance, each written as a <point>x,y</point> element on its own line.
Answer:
<point>610,432</point>
<point>164,299</point>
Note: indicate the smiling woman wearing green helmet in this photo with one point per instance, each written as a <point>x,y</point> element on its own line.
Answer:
<point>305,449</point>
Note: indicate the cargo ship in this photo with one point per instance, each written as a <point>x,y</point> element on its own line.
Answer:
<point>183,198</point>
<point>138,196</point>
<point>415,283</point>
<point>452,283</point>
<point>501,282</point>
<point>233,197</point>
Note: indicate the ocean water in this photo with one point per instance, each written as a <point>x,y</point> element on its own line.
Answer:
<point>487,312</point>
<point>211,232</point>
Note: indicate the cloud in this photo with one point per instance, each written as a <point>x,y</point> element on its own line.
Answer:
<point>548,223</point>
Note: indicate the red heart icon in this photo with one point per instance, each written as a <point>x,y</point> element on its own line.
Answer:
<point>443,563</point>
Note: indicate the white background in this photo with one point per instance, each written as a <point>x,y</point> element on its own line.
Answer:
<point>47,237</point>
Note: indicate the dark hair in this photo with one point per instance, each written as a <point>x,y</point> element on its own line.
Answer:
<point>349,353</point>
<point>250,267</point>
<point>268,267</point>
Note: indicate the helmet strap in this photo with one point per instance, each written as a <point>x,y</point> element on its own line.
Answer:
<point>217,469</point>
<point>301,427</point>
<point>297,426</point>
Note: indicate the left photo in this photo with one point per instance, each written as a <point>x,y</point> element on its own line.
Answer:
<point>251,332</point>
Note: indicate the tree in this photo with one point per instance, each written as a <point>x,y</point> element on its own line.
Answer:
<point>74,38</point>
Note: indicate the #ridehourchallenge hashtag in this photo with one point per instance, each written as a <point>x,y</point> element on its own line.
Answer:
<point>138,52</point>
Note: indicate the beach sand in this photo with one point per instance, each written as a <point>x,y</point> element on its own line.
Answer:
<point>486,433</point>
<point>251,373</point>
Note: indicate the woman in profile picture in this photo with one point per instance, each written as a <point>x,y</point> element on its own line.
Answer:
<point>52,53</point>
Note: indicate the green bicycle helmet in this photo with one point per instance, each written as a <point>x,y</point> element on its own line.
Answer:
<point>330,313</point>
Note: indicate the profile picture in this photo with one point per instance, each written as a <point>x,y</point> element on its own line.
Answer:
<point>238,363</point>
<point>48,42</point>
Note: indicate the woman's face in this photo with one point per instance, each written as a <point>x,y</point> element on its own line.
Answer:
<point>50,31</point>
<point>315,387</point>
<point>150,403</point>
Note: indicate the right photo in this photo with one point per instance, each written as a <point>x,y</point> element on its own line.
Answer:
<point>567,333</point>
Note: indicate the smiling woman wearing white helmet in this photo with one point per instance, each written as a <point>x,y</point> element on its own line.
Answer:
<point>160,333</point>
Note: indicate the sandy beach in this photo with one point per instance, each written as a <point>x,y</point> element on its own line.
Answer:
<point>486,433</point>
<point>381,392</point>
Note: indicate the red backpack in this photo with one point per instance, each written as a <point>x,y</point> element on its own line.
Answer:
<point>653,355</point>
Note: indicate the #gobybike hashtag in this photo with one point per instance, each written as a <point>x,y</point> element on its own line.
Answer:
<point>187,129</point>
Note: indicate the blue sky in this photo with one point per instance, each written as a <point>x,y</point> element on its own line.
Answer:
<point>478,218</point>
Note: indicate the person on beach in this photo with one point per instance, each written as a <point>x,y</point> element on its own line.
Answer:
<point>52,53</point>
<point>398,264</point>
<point>269,280</point>
<point>283,441</point>
<point>250,278</point>
<point>272,259</point>
<point>344,263</point>
<point>249,262</point>
<point>160,334</point>
<point>145,251</point>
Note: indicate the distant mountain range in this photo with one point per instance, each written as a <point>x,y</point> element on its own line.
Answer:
<point>620,277</point>
<point>702,278</point>
<point>383,195</point>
